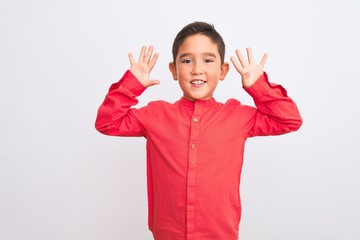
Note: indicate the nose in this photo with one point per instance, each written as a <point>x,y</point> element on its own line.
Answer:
<point>196,70</point>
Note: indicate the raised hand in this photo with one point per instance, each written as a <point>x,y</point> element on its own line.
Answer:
<point>142,68</point>
<point>249,70</point>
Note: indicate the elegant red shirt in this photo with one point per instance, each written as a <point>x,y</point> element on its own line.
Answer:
<point>195,153</point>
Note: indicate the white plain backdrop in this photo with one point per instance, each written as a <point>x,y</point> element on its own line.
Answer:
<point>62,180</point>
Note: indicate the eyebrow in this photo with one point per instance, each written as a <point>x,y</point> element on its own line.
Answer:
<point>205,54</point>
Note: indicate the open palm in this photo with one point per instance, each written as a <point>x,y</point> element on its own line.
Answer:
<point>142,68</point>
<point>248,69</point>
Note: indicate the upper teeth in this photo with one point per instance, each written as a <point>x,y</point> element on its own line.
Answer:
<point>197,82</point>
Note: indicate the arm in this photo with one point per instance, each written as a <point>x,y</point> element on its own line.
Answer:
<point>276,112</point>
<point>115,116</point>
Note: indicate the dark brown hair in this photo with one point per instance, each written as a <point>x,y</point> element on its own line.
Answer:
<point>199,28</point>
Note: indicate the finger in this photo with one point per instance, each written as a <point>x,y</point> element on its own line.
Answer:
<point>250,55</point>
<point>241,58</point>
<point>131,59</point>
<point>142,54</point>
<point>148,54</point>
<point>264,59</point>
<point>236,64</point>
<point>153,61</point>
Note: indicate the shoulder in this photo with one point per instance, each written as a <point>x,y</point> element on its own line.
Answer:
<point>236,106</point>
<point>159,103</point>
<point>152,109</point>
<point>232,102</point>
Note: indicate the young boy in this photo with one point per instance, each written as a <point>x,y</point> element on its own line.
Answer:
<point>195,146</point>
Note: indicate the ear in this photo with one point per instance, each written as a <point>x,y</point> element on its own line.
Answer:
<point>224,70</point>
<point>172,68</point>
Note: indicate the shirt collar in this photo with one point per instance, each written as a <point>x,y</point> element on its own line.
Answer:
<point>204,103</point>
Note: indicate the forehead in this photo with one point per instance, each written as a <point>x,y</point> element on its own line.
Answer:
<point>198,44</point>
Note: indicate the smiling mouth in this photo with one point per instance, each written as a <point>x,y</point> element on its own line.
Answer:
<point>197,82</point>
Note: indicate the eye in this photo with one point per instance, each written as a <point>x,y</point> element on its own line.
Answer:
<point>208,60</point>
<point>186,61</point>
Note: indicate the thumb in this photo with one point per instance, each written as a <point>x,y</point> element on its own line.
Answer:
<point>153,82</point>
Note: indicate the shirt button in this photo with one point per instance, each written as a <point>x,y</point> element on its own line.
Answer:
<point>193,146</point>
<point>195,120</point>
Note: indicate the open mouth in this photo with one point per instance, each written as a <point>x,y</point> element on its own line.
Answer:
<point>197,82</point>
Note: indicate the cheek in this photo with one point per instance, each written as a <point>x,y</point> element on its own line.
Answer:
<point>182,73</point>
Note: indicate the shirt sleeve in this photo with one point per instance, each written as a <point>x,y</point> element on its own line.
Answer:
<point>276,112</point>
<point>115,116</point>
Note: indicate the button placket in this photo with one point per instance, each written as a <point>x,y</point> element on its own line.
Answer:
<point>191,178</point>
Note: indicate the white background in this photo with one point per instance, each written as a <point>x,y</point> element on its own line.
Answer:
<point>62,180</point>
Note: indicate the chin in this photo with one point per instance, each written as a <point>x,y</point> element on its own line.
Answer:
<point>197,97</point>
<point>202,98</point>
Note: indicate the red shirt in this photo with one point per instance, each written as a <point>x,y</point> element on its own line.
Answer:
<point>195,153</point>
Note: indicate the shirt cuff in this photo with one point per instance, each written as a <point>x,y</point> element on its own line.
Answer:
<point>262,86</point>
<point>129,82</point>
<point>132,83</point>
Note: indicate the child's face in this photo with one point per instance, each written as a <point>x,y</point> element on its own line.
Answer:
<point>198,67</point>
